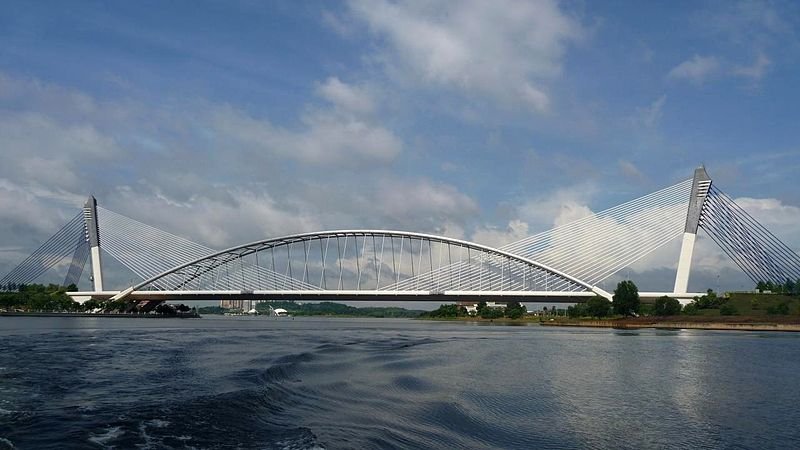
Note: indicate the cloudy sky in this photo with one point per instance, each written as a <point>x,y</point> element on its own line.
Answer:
<point>227,121</point>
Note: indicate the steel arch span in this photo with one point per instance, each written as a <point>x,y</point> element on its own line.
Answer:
<point>363,263</point>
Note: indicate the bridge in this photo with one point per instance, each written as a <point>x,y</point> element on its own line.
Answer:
<point>564,264</point>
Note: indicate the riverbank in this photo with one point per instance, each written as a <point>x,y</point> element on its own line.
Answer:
<point>688,322</point>
<point>499,320</point>
<point>120,315</point>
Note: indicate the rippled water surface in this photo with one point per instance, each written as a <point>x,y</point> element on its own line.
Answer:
<point>346,383</point>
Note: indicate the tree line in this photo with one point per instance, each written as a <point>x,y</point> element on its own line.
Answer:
<point>789,287</point>
<point>54,298</point>
<point>512,310</point>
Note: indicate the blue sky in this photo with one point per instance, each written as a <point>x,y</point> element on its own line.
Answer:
<point>232,121</point>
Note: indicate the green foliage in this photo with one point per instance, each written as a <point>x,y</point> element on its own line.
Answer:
<point>788,287</point>
<point>577,310</point>
<point>781,309</point>
<point>691,310</point>
<point>448,311</point>
<point>708,301</point>
<point>492,313</point>
<point>626,298</point>
<point>666,306</point>
<point>515,310</point>
<point>727,309</point>
<point>166,309</point>
<point>39,298</point>
<point>598,306</point>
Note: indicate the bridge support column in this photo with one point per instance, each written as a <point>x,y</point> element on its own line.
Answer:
<point>700,186</point>
<point>93,235</point>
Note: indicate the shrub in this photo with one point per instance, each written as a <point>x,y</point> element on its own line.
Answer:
<point>691,310</point>
<point>598,306</point>
<point>666,306</point>
<point>728,310</point>
<point>781,309</point>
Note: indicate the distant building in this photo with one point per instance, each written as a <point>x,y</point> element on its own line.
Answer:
<point>243,305</point>
<point>278,312</point>
<point>472,307</point>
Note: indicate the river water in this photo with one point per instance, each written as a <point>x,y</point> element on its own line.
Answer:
<point>372,383</point>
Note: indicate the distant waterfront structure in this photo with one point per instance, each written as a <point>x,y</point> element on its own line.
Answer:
<point>244,305</point>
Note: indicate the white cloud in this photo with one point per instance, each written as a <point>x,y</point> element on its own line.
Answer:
<point>349,98</point>
<point>210,172</point>
<point>240,215</point>
<point>630,170</point>
<point>779,218</point>
<point>327,137</point>
<point>755,71</point>
<point>651,115</point>
<point>497,237</point>
<point>505,49</point>
<point>423,203</point>
<point>697,69</point>
<point>557,208</point>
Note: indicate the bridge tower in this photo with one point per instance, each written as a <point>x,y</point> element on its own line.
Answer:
<point>93,236</point>
<point>700,186</point>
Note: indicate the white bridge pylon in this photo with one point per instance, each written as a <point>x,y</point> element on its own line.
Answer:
<point>563,264</point>
<point>366,263</point>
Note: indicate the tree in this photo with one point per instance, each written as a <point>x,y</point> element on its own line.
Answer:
<point>481,306</point>
<point>626,298</point>
<point>515,310</point>
<point>492,313</point>
<point>788,287</point>
<point>708,301</point>
<point>691,309</point>
<point>450,310</point>
<point>598,306</point>
<point>166,309</point>
<point>666,306</point>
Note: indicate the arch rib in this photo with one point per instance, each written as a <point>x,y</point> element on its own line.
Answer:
<point>216,259</point>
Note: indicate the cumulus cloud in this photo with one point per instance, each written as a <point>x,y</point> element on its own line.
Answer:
<point>506,49</point>
<point>497,237</point>
<point>347,97</point>
<point>422,202</point>
<point>557,208</point>
<point>781,219</point>
<point>696,69</point>
<point>206,171</point>
<point>327,137</point>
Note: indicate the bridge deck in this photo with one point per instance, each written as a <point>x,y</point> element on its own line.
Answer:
<point>350,296</point>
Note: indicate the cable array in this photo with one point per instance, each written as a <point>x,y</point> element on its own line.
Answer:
<point>589,249</point>
<point>600,244</point>
<point>761,255</point>
<point>53,251</point>
<point>148,251</point>
<point>78,263</point>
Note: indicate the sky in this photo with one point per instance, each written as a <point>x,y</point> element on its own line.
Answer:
<point>231,121</point>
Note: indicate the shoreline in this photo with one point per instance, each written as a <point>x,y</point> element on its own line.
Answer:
<point>71,314</point>
<point>625,324</point>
